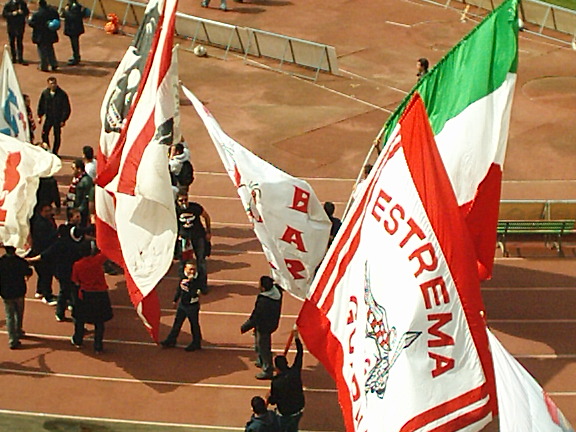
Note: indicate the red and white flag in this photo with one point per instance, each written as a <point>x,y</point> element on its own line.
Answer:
<point>395,313</point>
<point>21,166</point>
<point>287,217</point>
<point>136,219</point>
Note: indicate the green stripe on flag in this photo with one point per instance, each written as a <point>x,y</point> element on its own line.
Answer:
<point>471,70</point>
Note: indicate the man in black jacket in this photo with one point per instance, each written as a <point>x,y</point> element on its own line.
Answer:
<point>45,23</point>
<point>286,389</point>
<point>13,274</point>
<point>188,307</point>
<point>73,15</point>
<point>44,234</point>
<point>55,106</point>
<point>15,13</point>
<point>265,319</point>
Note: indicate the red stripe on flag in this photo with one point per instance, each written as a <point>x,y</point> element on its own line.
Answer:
<point>107,241</point>
<point>149,305</point>
<point>314,327</point>
<point>465,420</point>
<point>439,411</point>
<point>437,195</point>
<point>334,257</point>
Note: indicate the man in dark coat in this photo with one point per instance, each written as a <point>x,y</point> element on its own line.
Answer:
<point>73,15</point>
<point>44,234</point>
<point>265,319</point>
<point>80,192</point>
<point>286,390</point>
<point>55,106</point>
<point>45,34</point>
<point>15,13</point>
<point>13,274</point>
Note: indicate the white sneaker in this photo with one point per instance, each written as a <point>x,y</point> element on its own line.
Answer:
<point>38,296</point>
<point>52,302</point>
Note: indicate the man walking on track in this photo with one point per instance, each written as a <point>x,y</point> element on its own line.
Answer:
<point>265,319</point>
<point>54,106</point>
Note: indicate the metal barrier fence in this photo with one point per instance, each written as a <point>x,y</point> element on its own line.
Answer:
<point>247,41</point>
<point>537,209</point>
<point>544,15</point>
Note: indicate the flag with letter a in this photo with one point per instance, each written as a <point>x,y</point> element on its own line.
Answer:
<point>395,312</point>
<point>21,166</point>
<point>14,118</point>
<point>287,217</point>
<point>136,220</point>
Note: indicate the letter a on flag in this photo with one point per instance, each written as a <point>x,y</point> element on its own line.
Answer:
<point>136,219</point>
<point>395,312</point>
<point>287,217</point>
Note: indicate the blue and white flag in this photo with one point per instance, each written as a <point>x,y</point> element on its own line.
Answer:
<point>14,120</point>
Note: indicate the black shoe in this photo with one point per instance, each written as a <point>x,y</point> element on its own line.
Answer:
<point>192,347</point>
<point>23,62</point>
<point>15,345</point>
<point>60,318</point>
<point>168,344</point>
<point>77,345</point>
<point>54,68</point>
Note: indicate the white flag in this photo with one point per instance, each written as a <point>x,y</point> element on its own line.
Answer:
<point>287,217</point>
<point>21,166</point>
<point>14,118</point>
<point>522,404</point>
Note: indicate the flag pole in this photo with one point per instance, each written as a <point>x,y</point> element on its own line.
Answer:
<point>375,146</point>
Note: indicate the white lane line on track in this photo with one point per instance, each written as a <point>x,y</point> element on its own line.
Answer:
<point>124,421</point>
<point>546,356</point>
<point>528,289</point>
<point>150,382</point>
<point>532,321</point>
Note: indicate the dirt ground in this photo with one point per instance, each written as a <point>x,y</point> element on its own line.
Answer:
<point>317,130</point>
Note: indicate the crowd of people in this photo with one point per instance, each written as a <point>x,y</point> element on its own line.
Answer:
<point>45,23</point>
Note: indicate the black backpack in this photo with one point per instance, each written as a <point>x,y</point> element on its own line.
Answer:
<point>186,176</point>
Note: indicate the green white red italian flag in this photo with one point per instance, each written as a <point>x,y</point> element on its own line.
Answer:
<point>395,312</point>
<point>468,98</point>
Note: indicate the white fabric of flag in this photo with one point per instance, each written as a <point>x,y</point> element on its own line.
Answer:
<point>522,404</point>
<point>287,217</point>
<point>14,118</point>
<point>21,166</point>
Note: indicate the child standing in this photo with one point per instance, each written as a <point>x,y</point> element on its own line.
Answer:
<point>188,307</point>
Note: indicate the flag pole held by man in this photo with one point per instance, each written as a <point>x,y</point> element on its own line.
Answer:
<point>395,312</point>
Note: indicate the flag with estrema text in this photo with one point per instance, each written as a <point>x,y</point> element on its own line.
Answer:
<point>287,217</point>
<point>395,313</point>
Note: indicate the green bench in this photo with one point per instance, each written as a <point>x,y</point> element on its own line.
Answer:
<point>550,232</point>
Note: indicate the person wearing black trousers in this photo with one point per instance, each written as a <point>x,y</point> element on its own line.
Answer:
<point>15,12</point>
<point>54,105</point>
<point>188,307</point>
<point>73,15</point>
